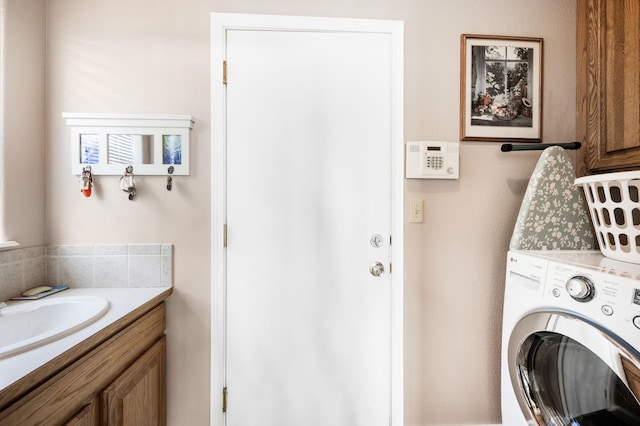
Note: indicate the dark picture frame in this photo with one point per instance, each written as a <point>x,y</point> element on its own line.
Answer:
<point>500,88</point>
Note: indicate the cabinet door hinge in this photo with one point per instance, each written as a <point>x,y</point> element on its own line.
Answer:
<point>224,72</point>
<point>224,400</point>
<point>224,237</point>
<point>390,268</point>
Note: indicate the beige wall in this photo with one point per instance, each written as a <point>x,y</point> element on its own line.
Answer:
<point>22,121</point>
<point>152,56</point>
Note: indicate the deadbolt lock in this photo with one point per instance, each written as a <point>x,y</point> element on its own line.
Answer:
<point>376,240</point>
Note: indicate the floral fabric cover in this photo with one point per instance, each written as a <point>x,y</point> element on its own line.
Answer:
<point>552,215</point>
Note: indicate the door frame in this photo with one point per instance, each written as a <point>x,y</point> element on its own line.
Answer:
<point>220,24</point>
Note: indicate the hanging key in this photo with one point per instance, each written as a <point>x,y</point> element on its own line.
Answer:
<point>170,178</point>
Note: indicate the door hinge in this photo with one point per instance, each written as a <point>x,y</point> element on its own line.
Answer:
<point>224,400</point>
<point>224,72</point>
<point>390,267</point>
<point>224,236</point>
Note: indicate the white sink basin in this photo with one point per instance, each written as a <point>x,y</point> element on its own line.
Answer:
<point>27,325</point>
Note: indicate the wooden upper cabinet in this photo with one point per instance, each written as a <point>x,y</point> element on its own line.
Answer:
<point>608,85</point>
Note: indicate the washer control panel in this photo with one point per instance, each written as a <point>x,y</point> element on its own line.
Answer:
<point>636,301</point>
<point>594,294</point>
<point>585,285</point>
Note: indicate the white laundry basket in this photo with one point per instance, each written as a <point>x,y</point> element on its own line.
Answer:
<point>614,206</point>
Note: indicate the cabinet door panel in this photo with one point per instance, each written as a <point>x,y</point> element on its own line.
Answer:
<point>608,79</point>
<point>137,397</point>
<point>621,82</point>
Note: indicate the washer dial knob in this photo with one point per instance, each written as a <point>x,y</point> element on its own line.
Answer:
<point>581,288</point>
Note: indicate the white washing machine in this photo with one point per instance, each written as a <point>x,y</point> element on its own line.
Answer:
<point>570,340</point>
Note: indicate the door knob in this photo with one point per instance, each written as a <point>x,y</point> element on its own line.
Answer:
<point>376,269</point>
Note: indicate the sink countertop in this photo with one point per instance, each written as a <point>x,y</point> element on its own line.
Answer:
<point>122,301</point>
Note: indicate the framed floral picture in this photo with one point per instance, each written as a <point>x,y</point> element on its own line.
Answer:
<point>500,88</point>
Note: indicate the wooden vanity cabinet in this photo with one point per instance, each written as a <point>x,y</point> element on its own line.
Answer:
<point>121,381</point>
<point>608,77</point>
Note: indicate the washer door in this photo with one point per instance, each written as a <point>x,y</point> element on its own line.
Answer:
<point>567,372</point>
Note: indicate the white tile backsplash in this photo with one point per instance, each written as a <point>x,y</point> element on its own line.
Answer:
<point>111,271</point>
<point>74,271</point>
<point>112,250</point>
<point>70,250</point>
<point>11,279</point>
<point>145,249</point>
<point>124,265</point>
<point>21,269</point>
<point>145,270</point>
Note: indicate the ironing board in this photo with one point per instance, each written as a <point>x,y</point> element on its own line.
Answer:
<point>552,215</point>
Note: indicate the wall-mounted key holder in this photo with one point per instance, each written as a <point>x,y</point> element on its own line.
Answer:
<point>151,143</point>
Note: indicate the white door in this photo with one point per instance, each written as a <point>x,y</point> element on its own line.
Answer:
<point>309,178</point>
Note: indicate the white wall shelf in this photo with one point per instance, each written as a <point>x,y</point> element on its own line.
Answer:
<point>108,143</point>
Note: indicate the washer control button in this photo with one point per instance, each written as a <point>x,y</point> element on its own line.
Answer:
<point>581,288</point>
<point>636,321</point>
<point>607,310</point>
<point>556,292</point>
